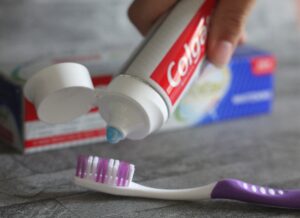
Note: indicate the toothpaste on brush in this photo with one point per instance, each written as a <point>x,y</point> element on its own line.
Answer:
<point>141,99</point>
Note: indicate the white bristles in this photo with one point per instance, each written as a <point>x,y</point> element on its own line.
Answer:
<point>94,168</point>
<point>98,174</point>
<point>89,168</point>
<point>115,172</point>
<point>130,174</point>
<point>110,171</point>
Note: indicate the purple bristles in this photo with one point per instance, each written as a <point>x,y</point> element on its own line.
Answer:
<point>84,167</point>
<point>119,175</point>
<point>78,167</point>
<point>106,171</point>
<point>126,172</point>
<point>81,166</point>
<point>122,173</point>
<point>99,169</point>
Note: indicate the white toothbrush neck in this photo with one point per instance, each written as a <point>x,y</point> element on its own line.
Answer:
<point>198,193</point>
<point>137,190</point>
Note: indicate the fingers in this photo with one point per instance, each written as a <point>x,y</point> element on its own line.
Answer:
<point>242,38</point>
<point>227,29</point>
<point>144,13</point>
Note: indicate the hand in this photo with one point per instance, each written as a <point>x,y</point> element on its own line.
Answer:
<point>226,30</point>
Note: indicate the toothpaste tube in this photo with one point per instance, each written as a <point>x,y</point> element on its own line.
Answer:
<point>141,99</point>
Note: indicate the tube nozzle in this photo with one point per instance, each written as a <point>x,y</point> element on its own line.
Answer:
<point>113,135</point>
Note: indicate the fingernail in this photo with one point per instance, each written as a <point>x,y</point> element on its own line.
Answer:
<point>222,53</point>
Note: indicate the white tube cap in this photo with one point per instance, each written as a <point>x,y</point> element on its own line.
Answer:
<point>131,108</point>
<point>61,92</point>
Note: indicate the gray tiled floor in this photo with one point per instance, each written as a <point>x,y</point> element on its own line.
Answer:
<point>263,150</point>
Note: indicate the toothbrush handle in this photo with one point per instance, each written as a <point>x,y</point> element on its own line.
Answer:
<point>238,190</point>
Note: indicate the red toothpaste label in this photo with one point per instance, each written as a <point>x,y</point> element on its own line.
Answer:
<point>179,64</point>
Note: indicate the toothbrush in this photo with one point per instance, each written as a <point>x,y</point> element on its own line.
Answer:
<point>115,177</point>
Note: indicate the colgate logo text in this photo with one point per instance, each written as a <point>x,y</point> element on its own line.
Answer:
<point>178,66</point>
<point>191,56</point>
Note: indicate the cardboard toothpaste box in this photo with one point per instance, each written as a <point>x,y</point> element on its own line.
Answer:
<point>243,88</point>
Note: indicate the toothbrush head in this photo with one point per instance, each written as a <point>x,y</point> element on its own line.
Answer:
<point>106,171</point>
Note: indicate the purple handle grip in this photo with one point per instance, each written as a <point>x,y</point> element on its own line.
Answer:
<point>238,190</point>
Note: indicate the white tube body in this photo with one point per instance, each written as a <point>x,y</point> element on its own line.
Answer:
<point>169,58</point>
<point>153,81</point>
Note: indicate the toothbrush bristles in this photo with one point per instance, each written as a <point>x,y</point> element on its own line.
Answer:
<point>106,171</point>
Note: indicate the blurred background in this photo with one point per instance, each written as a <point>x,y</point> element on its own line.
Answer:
<point>31,28</point>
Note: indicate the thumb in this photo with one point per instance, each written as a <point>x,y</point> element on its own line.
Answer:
<point>226,30</point>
